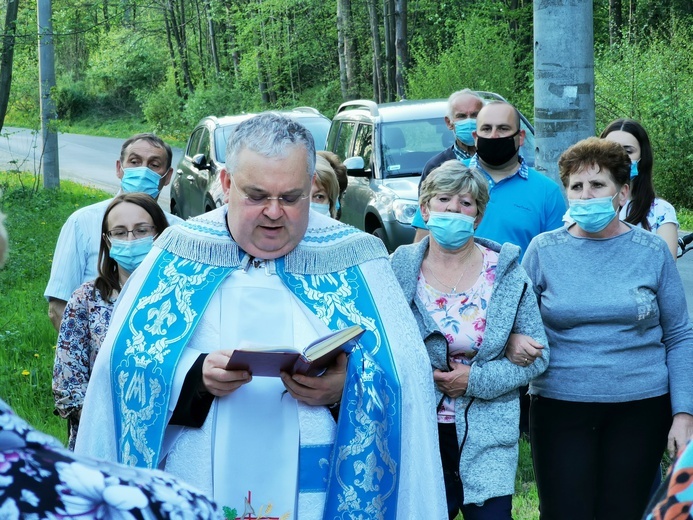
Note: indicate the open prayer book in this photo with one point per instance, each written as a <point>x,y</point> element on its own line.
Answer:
<point>262,360</point>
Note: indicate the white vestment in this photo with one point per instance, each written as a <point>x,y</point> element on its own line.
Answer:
<point>190,453</point>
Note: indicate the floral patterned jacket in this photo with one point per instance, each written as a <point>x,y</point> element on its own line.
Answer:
<point>39,479</point>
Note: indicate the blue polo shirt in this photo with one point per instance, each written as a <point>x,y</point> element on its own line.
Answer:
<point>520,206</point>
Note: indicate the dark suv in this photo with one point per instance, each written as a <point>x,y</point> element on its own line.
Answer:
<point>196,187</point>
<point>385,147</point>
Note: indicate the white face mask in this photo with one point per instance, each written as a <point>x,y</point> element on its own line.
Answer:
<point>324,209</point>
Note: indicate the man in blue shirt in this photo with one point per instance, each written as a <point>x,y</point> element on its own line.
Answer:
<point>523,202</point>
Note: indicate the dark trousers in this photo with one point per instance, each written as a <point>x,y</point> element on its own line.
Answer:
<point>596,460</point>
<point>496,508</point>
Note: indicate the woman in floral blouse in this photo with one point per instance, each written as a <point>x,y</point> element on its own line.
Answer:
<point>643,208</point>
<point>469,296</point>
<point>130,224</point>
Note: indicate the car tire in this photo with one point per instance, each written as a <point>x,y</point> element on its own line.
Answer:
<point>380,233</point>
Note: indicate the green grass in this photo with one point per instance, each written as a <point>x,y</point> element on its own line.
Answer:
<point>27,338</point>
<point>685,217</point>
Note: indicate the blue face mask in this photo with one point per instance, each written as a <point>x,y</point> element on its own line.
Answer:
<point>592,215</point>
<point>464,129</point>
<point>323,209</point>
<point>450,230</point>
<point>634,168</point>
<point>141,180</point>
<point>130,253</point>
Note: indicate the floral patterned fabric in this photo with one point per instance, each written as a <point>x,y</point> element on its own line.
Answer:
<point>461,317</point>
<point>661,212</point>
<point>39,479</point>
<point>674,499</point>
<point>84,326</point>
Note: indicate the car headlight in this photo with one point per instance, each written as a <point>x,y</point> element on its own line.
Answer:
<point>404,210</point>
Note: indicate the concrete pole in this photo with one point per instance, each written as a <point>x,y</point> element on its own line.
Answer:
<point>49,162</point>
<point>563,78</point>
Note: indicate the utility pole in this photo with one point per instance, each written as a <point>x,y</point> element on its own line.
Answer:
<point>49,157</point>
<point>563,78</point>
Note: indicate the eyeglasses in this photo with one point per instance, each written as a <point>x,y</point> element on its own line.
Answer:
<point>259,199</point>
<point>121,233</point>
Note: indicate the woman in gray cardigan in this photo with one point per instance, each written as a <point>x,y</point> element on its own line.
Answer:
<point>468,296</point>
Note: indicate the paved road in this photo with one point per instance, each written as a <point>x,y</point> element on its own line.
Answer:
<point>91,160</point>
<point>82,158</point>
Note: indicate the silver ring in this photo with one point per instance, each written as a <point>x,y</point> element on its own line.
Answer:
<point>526,361</point>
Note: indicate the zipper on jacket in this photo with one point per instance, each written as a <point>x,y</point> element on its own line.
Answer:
<point>466,431</point>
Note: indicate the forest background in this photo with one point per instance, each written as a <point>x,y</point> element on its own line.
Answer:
<point>161,65</point>
<point>125,66</point>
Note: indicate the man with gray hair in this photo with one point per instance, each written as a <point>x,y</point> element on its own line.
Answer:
<point>463,107</point>
<point>265,270</point>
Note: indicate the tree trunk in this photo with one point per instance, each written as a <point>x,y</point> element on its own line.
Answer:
<point>390,65</point>
<point>378,86</point>
<point>7,56</point>
<point>201,45</point>
<point>172,54</point>
<point>615,21</point>
<point>106,19</point>
<point>212,39</point>
<point>631,19</point>
<point>341,29</point>
<point>401,47</point>
<point>349,39</point>
<point>179,36</point>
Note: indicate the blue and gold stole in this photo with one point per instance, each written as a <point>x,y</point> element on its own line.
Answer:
<point>323,273</point>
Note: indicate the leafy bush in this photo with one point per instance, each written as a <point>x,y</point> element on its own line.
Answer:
<point>71,99</point>
<point>652,81</point>
<point>220,98</point>
<point>163,110</point>
<point>125,63</point>
<point>464,61</point>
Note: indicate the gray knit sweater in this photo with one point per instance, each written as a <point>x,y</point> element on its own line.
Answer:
<point>616,318</point>
<point>487,416</point>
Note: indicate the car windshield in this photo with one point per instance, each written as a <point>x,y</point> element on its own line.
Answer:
<point>407,145</point>
<point>221,137</point>
<point>318,127</point>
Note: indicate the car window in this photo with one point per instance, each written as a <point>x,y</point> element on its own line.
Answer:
<point>194,142</point>
<point>318,127</point>
<point>221,137</point>
<point>407,145</point>
<point>346,130</point>
<point>204,145</point>
<point>363,144</point>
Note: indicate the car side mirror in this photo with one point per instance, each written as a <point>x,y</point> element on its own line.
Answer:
<point>199,161</point>
<point>356,167</point>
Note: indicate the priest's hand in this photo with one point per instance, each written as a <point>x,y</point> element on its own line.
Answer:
<point>317,391</point>
<point>219,381</point>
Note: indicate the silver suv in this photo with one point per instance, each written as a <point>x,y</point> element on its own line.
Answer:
<point>196,186</point>
<point>385,147</point>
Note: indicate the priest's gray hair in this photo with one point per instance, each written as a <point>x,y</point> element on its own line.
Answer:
<point>271,135</point>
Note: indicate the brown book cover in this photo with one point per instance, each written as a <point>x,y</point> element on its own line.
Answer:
<point>312,361</point>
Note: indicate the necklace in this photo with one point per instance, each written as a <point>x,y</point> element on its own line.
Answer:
<point>464,270</point>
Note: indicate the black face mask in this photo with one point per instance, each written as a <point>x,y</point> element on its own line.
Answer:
<point>496,151</point>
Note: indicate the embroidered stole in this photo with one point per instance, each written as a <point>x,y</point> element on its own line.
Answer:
<point>363,474</point>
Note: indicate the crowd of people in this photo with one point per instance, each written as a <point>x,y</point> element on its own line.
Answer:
<point>505,288</point>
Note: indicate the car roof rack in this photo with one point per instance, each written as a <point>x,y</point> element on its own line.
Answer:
<point>366,104</point>
<point>306,109</point>
<point>490,95</point>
